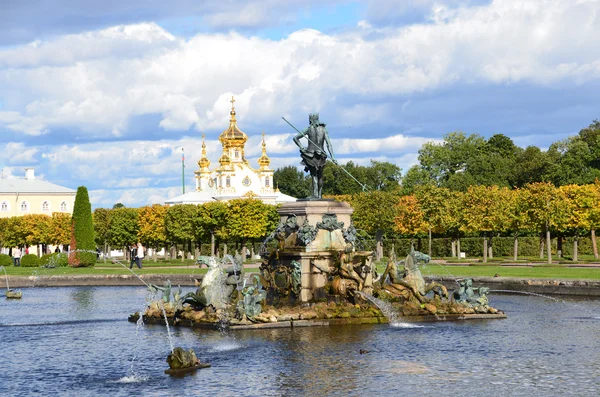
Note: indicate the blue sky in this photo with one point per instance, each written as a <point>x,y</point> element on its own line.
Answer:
<point>105,94</point>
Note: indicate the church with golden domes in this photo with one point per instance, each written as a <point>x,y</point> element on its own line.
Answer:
<point>233,177</point>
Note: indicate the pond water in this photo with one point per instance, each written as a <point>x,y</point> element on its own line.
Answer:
<point>77,341</point>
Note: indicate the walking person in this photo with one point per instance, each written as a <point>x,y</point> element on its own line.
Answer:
<point>16,256</point>
<point>132,255</point>
<point>140,255</point>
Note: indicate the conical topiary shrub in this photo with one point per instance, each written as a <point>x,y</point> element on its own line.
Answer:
<point>83,246</point>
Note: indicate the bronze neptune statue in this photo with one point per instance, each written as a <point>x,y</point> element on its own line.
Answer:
<point>314,155</point>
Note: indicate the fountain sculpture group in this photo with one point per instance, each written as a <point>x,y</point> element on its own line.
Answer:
<point>314,272</point>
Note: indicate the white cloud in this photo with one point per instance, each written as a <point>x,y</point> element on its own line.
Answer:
<point>383,145</point>
<point>97,81</point>
<point>15,153</point>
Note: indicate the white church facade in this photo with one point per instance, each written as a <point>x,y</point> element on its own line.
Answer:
<point>233,177</point>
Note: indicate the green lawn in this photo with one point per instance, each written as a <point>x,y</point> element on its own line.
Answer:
<point>175,267</point>
<point>510,271</point>
<point>99,270</point>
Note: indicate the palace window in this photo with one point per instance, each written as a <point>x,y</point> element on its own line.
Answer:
<point>63,206</point>
<point>237,153</point>
<point>267,182</point>
<point>4,206</point>
<point>228,182</point>
<point>46,206</point>
<point>24,206</point>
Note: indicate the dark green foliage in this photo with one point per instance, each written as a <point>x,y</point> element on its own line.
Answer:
<point>414,177</point>
<point>292,181</point>
<point>30,260</point>
<point>5,260</point>
<point>533,166</point>
<point>123,227</point>
<point>342,179</point>
<point>56,259</point>
<point>83,230</point>
<point>584,246</point>
<point>463,160</point>
<point>101,219</point>
<point>179,223</point>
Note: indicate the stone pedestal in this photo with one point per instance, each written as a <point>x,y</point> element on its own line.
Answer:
<point>318,257</point>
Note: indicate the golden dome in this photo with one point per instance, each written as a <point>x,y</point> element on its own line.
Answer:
<point>233,136</point>
<point>204,162</point>
<point>264,160</point>
<point>224,160</point>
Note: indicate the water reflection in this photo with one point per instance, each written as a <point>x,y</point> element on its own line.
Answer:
<point>77,341</point>
<point>83,299</point>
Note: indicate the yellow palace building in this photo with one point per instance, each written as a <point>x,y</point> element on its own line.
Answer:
<point>28,195</point>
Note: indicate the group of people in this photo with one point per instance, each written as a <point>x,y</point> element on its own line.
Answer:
<point>136,255</point>
<point>136,251</point>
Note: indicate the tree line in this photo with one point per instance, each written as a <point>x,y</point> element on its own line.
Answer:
<point>538,208</point>
<point>462,160</point>
<point>190,225</point>
<point>155,226</point>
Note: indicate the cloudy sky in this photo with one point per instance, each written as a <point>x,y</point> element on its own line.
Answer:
<point>106,94</point>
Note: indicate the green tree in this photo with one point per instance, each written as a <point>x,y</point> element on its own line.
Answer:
<point>439,206</point>
<point>60,228</point>
<point>384,176</point>
<point>15,233</point>
<point>3,232</point>
<point>123,227</point>
<point>374,213</point>
<point>409,219</point>
<point>83,253</point>
<point>179,225</point>
<point>151,226</point>
<point>545,208</point>
<point>210,222</point>
<point>101,217</point>
<point>595,216</point>
<point>591,136</point>
<point>516,207</point>
<point>339,179</point>
<point>414,177</point>
<point>447,162</point>
<point>580,201</point>
<point>495,163</point>
<point>485,211</point>
<point>37,229</point>
<point>291,181</point>
<point>571,162</point>
<point>533,166</point>
<point>250,219</point>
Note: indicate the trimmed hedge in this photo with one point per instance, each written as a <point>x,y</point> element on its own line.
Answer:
<point>30,260</point>
<point>56,259</point>
<point>5,260</point>
<point>529,246</point>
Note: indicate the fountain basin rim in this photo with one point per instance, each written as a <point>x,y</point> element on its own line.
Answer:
<point>335,321</point>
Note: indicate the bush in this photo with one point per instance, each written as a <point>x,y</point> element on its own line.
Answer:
<point>30,260</point>
<point>83,231</point>
<point>56,259</point>
<point>5,260</point>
